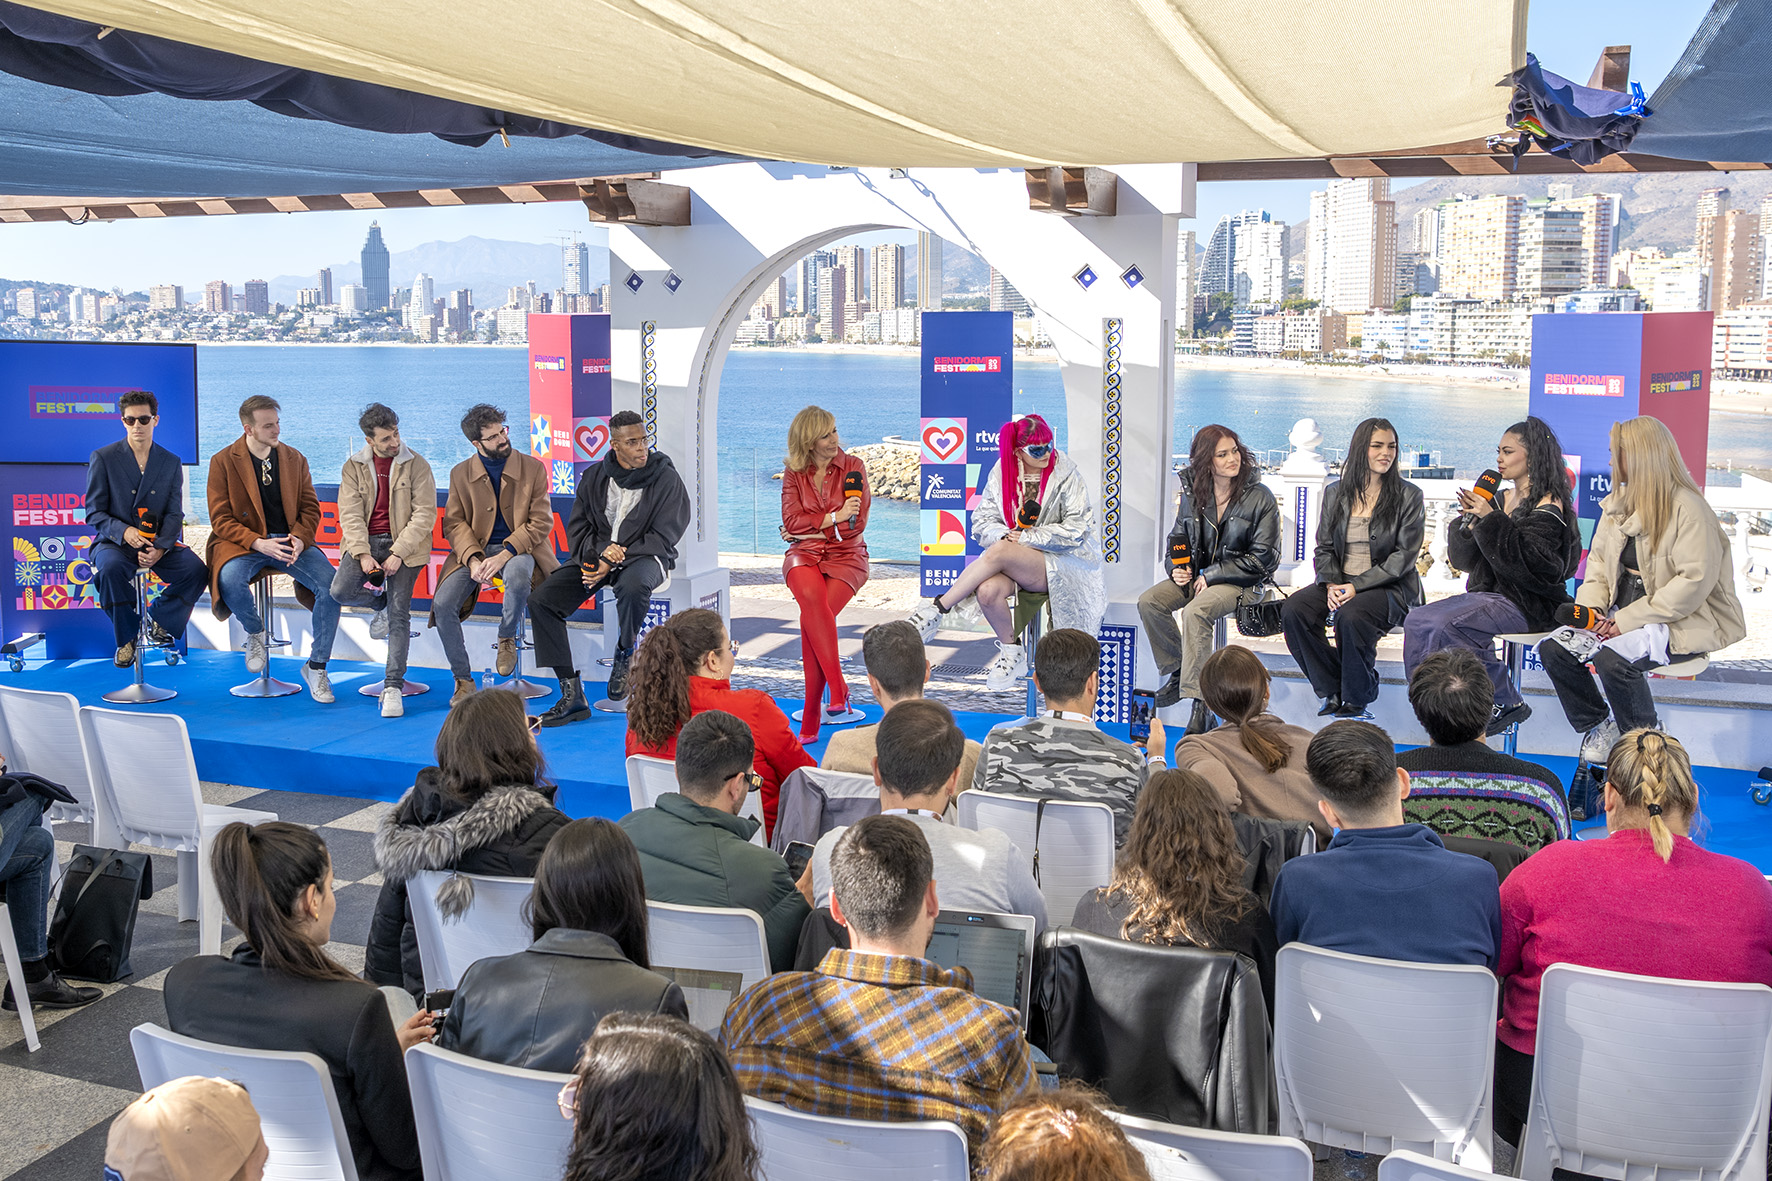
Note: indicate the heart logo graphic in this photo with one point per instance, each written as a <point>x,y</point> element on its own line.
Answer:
<point>592,438</point>
<point>943,443</point>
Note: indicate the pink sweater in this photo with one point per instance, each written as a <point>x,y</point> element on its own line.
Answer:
<point>1614,904</point>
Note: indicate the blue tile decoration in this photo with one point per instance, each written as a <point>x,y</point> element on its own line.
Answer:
<point>1119,665</point>
<point>649,379</point>
<point>657,612</point>
<point>1113,329</point>
<point>672,281</point>
<point>634,281</point>
<point>1131,276</point>
<point>1085,278</point>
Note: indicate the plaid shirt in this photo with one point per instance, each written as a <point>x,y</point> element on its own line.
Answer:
<point>877,1037</point>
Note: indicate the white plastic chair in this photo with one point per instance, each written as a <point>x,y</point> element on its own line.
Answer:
<point>1377,1055</point>
<point>708,939</point>
<point>484,1121</point>
<point>800,1147</point>
<point>1412,1166</point>
<point>1638,1073</point>
<point>40,733</point>
<point>15,975</point>
<point>1175,1153</point>
<point>1072,843</point>
<point>143,771</point>
<point>649,778</point>
<point>291,1091</point>
<point>493,924</point>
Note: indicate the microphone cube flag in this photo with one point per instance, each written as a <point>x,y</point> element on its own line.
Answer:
<point>1030,513</point>
<point>1577,616</point>
<point>1180,556</point>
<point>1487,483</point>
<point>853,484</point>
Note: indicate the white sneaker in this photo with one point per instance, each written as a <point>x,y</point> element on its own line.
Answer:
<point>1007,668</point>
<point>319,684</point>
<point>378,625</point>
<point>393,702</point>
<point>1597,746</point>
<point>927,620</point>
<point>255,652</point>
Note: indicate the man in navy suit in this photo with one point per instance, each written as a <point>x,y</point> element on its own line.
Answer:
<point>135,502</point>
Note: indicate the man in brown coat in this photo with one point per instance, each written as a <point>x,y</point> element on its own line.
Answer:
<point>498,522</point>
<point>262,517</point>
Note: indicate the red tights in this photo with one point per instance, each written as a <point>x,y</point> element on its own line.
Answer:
<point>820,600</point>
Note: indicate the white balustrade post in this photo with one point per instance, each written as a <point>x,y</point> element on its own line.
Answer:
<point>1298,486</point>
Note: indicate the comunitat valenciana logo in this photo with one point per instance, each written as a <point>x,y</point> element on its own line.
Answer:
<point>551,364</point>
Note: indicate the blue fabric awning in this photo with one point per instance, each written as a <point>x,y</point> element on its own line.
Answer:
<point>1716,103</point>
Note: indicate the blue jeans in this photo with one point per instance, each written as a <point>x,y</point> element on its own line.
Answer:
<point>1470,621</point>
<point>459,589</point>
<point>311,569</point>
<point>27,853</point>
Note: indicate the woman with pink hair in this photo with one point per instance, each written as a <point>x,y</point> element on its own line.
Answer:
<point>1037,523</point>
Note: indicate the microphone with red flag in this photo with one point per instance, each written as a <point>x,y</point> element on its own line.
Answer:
<point>1030,513</point>
<point>1575,615</point>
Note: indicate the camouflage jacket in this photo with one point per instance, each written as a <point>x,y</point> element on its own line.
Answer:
<point>1056,758</point>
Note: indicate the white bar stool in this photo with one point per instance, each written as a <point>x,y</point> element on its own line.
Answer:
<point>139,692</point>
<point>265,685</point>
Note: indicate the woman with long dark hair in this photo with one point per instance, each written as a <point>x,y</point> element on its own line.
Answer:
<point>1228,527</point>
<point>1179,879</point>
<point>1520,548</point>
<point>1036,520</point>
<point>684,666</point>
<point>1368,540</point>
<point>588,914</point>
<point>824,510</point>
<point>485,808</point>
<point>281,991</point>
<point>654,1098</point>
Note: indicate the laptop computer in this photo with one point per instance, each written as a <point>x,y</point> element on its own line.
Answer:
<point>997,948</point>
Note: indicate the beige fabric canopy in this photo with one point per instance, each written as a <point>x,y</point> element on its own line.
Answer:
<point>971,83</point>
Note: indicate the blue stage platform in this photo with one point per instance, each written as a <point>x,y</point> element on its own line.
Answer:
<point>347,749</point>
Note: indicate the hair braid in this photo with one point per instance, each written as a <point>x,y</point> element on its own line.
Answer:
<point>1652,771</point>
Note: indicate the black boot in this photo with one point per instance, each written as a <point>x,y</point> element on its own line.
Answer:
<point>1200,720</point>
<point>1170,693</point>
<point>571,707</point>
<point>618,674</point>
<point>52,992</point>
<point>1330,705</point>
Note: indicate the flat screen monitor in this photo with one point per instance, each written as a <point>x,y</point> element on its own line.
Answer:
<point>997,948</point>
<point>58,399</point>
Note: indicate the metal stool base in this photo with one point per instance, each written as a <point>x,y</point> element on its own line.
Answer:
<point>847,717</point>
<point>139,694</point>
<point>527,690</point>
<point>265,686</point>
<point>611,707</point>
<point>407,688</point>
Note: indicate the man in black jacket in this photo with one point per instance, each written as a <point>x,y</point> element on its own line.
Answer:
<point>630,511</point>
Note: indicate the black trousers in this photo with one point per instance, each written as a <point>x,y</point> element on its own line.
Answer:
<point>179,568</point>
<point>564,592</point>
<point>1349,669</point>
<point>1626,685</point>
<point>1513,1092</point>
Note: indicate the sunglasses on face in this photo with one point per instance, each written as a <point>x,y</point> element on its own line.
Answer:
<point>753,781</point>
<point>137,419</point>
<point>1038,450</point>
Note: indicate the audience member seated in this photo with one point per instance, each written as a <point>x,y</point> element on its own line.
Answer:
<point>1060,1135</point>
<point>1061,755</point>
<point>1255,760</point>
<point>1459,785</point>
<point>878,1032</point>
<point>1645,900</point>
<point>536,1008</point>
<point>652,1097</point>
<point>898,668</point>
<point>27,865</point>
<point>918,767</point>
<point>190,1129</point>
<point>281,991</point>
<point>1383,887</point>
<point>484,809</point>
<point>1179,880</point>
<point>695,848</point>
<point>684,667</point>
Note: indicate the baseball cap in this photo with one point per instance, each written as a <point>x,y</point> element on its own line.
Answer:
<point>190,1129</point>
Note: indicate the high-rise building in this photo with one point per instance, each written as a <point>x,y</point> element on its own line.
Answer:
<point>1550,260</point>
<point>1351,254</point>
<point>1427,250</point>
<point>353,297</point>
<point>1218,271</point>
<point>1599,220</point>
<point>460,312</point>
<point>888,292</point>
<point>1734,259</point>
<point>256,297</point>
<point>217,297</point>
<point>375,268</point>
<point>854,261</point>
<point>775,298</point>
<point>832,290</point>
<point>1184,282</point>
<point>26,301</point>
<point>928,271</point>
<point>1258,261</point>
<point>578,268</point>
<point>1004,297</point>
<point>1408,266</point>
<point>1479,243</point>
<point>1764,267</point>
<point>326,287</point>
<point>809,280</point>
<point>166,297</point>
<point>424,294</point>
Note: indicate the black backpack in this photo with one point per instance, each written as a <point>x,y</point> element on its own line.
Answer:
<point>94,921</point>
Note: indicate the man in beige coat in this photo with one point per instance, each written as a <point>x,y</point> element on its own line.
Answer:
<point>499,524</point>
<point>898,668</point>
<point>387,508</point>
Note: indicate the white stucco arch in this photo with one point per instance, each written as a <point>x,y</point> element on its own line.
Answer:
<point>749,222</point>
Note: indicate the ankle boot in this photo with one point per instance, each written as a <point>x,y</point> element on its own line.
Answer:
<point>571,707</point>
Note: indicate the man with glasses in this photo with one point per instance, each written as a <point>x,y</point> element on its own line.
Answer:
<point>498,521</point>
<point>695,848</point>
<point>135,503</point>
<point>262,518</point>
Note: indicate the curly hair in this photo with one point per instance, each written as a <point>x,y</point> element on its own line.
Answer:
<point>658,703</point>
<point>1181,869</point>
<point>1059,1135</point>
<point>1199,460</point>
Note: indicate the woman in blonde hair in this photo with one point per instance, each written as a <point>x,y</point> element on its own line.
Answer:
<point>1645,900</point>
<point>1661,577</point>
<point>824,509</point>
<point>1254,760</point>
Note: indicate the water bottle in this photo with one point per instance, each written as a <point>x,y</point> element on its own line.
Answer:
<point>486,679</point>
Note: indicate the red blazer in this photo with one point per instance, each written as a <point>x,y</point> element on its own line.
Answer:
<point>838,552</point>
<point>779,751</point>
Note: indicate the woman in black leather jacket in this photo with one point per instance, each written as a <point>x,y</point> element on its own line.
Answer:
<point>1368,540</point>
<point>536,1008</point>
<point>1230,527</point>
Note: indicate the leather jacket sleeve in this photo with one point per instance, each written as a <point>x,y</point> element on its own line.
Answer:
<point>1330,527</point>
<point>1262,558</point>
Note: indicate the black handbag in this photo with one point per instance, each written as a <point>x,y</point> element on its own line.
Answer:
<point>1258,612</point>
<point>94,921</point>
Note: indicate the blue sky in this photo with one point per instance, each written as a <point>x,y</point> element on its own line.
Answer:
<point>1567,36</point>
